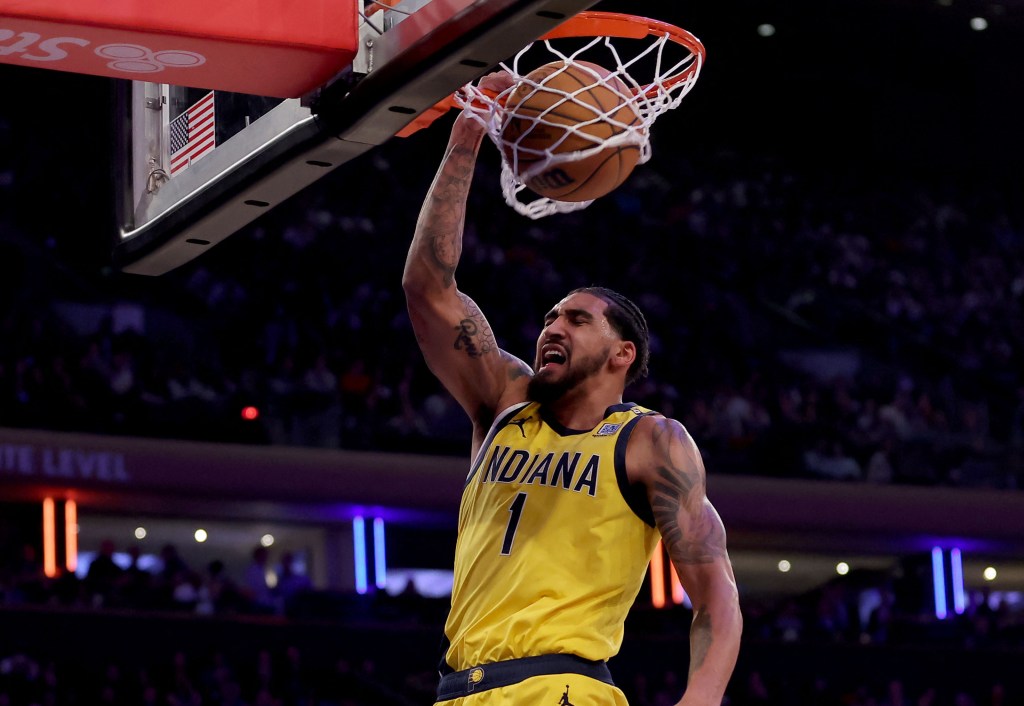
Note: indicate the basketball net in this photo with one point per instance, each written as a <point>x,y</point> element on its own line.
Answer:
<point>671,79</point>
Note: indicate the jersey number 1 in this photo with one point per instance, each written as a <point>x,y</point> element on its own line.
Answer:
<point>515,511</point>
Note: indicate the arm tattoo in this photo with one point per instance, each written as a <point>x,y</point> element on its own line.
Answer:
<point>700,638</point>
<point>448,210</point>
<point>445,253</point>
<point>473,333</point>
<point>516,368</point>
<point>690,527</point>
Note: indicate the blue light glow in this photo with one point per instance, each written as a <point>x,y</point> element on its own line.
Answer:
<point>956,564</point>
<point>359,543</point>
<point>380,564</point>
<point>939,583</point>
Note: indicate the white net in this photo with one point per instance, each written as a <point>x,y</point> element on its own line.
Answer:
<point>648,77</point>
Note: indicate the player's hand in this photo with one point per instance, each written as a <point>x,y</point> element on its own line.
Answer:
<point>496,82</point>
<point>493,84</point>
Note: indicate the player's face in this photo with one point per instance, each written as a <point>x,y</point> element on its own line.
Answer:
<point>574,345</point>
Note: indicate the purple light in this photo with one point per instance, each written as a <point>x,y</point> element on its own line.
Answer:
<point>359,544</point>
<point>939,583</point>
<point>380,564</point>
<point>956,564</point>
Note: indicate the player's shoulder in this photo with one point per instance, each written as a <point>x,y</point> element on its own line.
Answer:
<point>656,441</point>
<point>656,425</point>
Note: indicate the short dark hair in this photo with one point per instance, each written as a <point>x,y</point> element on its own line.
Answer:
<point>629,322</point>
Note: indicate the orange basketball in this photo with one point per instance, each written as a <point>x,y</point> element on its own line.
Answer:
<point>598,99</point>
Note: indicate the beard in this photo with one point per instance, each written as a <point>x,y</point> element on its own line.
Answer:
<point>543,389</point>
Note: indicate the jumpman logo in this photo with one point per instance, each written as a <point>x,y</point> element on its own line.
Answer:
<point>520,422</point>
<point>565,698</point>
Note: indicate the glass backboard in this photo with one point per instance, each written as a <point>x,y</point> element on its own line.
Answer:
<point>195,166</point>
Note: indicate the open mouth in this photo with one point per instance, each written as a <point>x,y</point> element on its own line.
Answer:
<point>552,356</point>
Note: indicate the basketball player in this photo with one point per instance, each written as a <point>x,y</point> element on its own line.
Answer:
<point>569,490</point>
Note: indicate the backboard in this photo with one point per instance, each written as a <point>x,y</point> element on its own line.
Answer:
<point>196,165</point>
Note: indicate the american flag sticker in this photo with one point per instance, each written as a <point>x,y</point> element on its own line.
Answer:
<point>192,134</point>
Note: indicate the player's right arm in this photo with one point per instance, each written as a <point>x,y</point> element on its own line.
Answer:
<point>452,332</point>
<point>664,458</point>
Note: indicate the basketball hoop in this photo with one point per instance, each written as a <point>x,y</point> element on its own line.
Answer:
<point>656,62</point>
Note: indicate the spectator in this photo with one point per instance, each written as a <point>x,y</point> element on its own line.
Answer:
<point>291,582</point>
<point>255,587</point>
<point>173,567</point>
<point>219,594</point>
<point>135,584</point>
<point>28,583</point>
<point>103,578</point>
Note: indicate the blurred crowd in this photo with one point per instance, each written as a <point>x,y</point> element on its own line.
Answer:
<point>111,579</point>
<point>872,612</point>
<point>827,325</point>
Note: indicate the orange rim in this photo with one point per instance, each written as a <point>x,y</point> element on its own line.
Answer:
<point>614,24</point>
<point>597,24</point>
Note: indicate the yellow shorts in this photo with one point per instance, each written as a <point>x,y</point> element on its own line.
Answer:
<point>547,690</point>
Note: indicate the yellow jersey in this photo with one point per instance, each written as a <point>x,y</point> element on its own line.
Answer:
<point>553,542</point>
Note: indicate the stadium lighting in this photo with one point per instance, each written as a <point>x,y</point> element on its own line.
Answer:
<point>359,544</point>
<point>939,583</point>
<point>380,563</point>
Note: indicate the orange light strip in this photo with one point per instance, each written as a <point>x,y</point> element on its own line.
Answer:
<point>678,594</point>
<point>49,539</point>
<point>71,535</point>
<point>658,577</point>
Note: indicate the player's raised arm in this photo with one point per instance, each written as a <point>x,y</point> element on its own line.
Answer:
<point>664,457</point>
<point>452,332</point>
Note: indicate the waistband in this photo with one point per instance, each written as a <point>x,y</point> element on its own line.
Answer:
<point>495,674</point>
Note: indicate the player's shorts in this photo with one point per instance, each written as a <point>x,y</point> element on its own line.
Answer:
<point>550,680</point>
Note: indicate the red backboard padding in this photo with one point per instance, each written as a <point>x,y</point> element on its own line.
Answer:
<point>279,48</point>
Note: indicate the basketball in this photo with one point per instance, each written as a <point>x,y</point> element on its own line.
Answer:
<point>597,110</point>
